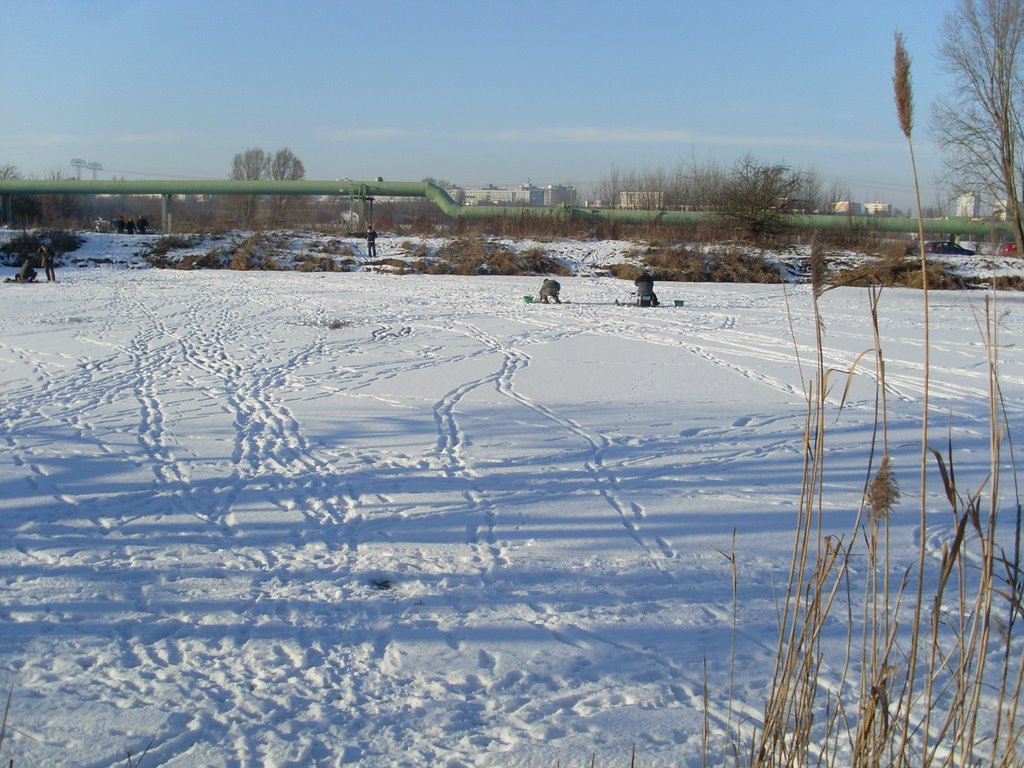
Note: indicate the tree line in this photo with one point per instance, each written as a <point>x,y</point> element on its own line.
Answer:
<point>753,193</point>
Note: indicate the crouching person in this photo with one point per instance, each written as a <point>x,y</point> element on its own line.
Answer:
<point>549,290</point>
<point>27,273</point>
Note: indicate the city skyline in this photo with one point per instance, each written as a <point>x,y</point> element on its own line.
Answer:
<point>553,93</point>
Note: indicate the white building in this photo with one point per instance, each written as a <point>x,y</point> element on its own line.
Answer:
<point>878,209</point>
<point>526,194</point>
<point>642,201</point>
<point>847,208</point>
<point>968,205</point>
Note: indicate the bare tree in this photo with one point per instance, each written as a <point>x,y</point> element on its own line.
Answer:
<point>250,165</point>
<point>654,190</point>
<point>608,190</point>
<point>705,186</point>
<point>836,193</point>
<point>812,195</point>
<point>284,166</point>
<point>979,126</point>
<point>759,196</point>
<point>442,183</point>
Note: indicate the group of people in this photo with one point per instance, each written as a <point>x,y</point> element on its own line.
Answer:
<point>131,226</point>
<point>28,274</point>
<point>645,295</point>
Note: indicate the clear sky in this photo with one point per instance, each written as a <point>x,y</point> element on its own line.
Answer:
<point>470,91</point>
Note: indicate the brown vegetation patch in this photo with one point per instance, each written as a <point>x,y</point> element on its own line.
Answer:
<point>158,253</point>
<point>676,263</point>
<point>258,251</point>
<point>399,266</point>
<point>480,256</point>
<point>901,272</point>
<point>309,262</point>
<point>197,261</point>
<point>333,247</point>
<point>415,250</point>
<point>1006,283</point>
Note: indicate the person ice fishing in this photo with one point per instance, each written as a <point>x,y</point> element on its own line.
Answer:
<point>550,289</point>
<point>645,295</point>
<point>27,273</point>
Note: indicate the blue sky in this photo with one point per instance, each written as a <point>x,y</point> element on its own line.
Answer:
<point>471,92</point>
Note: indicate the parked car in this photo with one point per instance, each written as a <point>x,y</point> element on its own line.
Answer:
<point>943,247</point>
<point>1008,249</point>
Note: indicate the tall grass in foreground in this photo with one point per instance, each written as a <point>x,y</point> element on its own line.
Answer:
<point>933,671</point>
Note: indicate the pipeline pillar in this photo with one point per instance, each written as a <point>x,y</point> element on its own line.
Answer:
<point>166,225</point>
<point>368,210</point>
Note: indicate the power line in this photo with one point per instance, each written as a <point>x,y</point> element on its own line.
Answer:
<point>152,175</point>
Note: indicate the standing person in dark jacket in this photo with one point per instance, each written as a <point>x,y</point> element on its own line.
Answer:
<point>371,242</point>
<point>46,258</point>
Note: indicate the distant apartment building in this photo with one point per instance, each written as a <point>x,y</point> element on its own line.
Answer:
<point>458,194</point>
<point>525,194</point>
<point>968,205</point>
<point>1002,210</point>
<point>878,209</point>
<point>559,195</point>
<point>847,208</point>
<point>642,201</point>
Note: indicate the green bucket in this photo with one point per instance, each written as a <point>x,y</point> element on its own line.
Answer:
<point>528,299</point>
<point>679,302</point>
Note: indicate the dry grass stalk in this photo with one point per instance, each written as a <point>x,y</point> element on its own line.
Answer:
<point>818,570</point>
<point>883,491</point>
<point>818,267</point>
<point>945,688</point>
<point>903,93</point>
<point>902,86</point>
<point>7,711</point>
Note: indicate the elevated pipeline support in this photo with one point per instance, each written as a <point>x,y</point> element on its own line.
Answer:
<point>440,198</point>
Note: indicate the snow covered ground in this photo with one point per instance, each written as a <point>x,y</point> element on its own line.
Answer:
<point>296,519</point>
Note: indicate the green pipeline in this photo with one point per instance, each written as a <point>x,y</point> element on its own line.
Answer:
<point>433,193</point>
